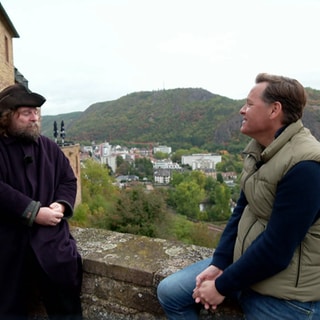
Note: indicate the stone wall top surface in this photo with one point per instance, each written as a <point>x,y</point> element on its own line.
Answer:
<point>140,255</point>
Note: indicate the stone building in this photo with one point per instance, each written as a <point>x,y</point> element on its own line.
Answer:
<point>7,33</point>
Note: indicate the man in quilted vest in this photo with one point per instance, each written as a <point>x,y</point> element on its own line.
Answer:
<point>269,253</point>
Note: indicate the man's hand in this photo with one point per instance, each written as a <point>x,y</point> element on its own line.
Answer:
<point>211,273</point>
<point>56,206</point>
<point>48,216</point>
<point>203,281</point>
<point>208,295</point>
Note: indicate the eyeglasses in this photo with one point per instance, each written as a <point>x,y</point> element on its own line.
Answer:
<point>29,112</point>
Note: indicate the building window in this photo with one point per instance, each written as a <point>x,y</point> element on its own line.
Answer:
<point>6,44</point>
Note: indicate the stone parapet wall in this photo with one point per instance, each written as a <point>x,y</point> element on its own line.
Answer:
<point>122,271</point>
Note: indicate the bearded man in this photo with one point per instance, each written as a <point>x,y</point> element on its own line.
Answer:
<point>37,195</point>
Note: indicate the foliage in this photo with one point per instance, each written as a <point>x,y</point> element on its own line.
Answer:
<point>96,180</point>
<point>105,206</point>
<point>179,228</point>
<point>222,203</point>
<point>189,189</point>
<point>177,177</point>
<point>98,195</point>
<point>313,96</point>
<point>210,187</point>
<point>80,217</point>
<point>137,211</point>
<point>235,192</point>
<point>203,236</point>
<point>199,177</point>
<point>188,195</point>
<point>123,166</point>
<point>219,177</point>
<point>230,163</point>
<point>161,155</point>
<point>187,192</point>
<point>140,167</point>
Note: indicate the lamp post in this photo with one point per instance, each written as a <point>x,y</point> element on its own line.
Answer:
<point>55,131</point>
<point>62,133</point>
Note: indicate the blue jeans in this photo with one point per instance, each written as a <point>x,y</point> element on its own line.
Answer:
<point>175,297</point>
<point>175,292</point>
<point>259,307</point>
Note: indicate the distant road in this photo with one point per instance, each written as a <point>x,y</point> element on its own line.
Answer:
<point>215,228</point>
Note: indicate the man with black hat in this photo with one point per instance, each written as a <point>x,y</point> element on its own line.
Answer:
<point>37,194</point>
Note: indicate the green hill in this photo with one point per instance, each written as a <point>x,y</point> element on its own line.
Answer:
<point>180,118</point>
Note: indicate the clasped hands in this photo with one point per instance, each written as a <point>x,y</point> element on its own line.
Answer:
<point>50,216</point>
<point>205,291</point>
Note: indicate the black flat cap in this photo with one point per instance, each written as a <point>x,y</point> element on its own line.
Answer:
<point>18,95</point>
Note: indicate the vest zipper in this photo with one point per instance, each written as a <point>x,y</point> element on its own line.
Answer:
<point>299,265</point>
<point>245,237</point>
<point>253,169</point>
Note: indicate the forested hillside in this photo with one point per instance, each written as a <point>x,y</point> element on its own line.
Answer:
<point>181,118</point>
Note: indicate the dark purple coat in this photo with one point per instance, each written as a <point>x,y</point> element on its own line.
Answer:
<point>40,172</point>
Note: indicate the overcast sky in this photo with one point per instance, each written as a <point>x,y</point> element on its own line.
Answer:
<point>79,52</point>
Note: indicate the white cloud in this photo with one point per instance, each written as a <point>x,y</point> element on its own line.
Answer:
<point>79,52</point>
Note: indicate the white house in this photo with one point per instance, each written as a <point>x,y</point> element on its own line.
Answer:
<point>201,161</point>
<point>165,164</point>
<point>162,176</point>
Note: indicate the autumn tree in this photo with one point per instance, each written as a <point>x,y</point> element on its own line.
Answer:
<point>137,211</point>
<point>187,198</point>
<point>142,167</point>
<point>98,194</point>
<point>221,208</point>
